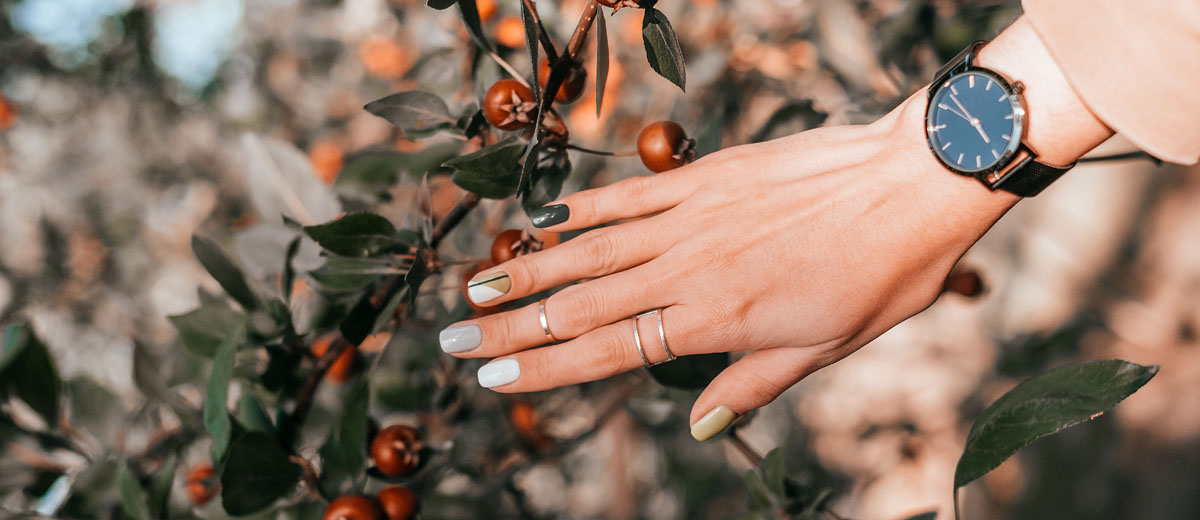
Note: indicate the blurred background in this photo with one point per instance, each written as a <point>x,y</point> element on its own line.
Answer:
<point>128,125</point>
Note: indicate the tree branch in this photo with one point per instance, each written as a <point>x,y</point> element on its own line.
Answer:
<point>453,218</point>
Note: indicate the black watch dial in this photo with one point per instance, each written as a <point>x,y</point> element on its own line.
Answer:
<point>974,122</point>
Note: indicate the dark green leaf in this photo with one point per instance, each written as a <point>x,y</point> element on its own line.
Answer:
<point>662,47</point>
<point>369,175</point>
<point>203,330</point>
<point>289,270</point>
<point>252,415</point>
<point>691,371</point>
<point>491,172</point>
<point>350,274</point>
<point>133,496</point>
<point>256,473</point>
<point>28,372</point>
<point>224,271</point>
<point>931,515</point>
<point>1043,405</point>
<point>441,4</point>
<point>470,16</point>
<point>548,180</point>
<point>216,416</point>
<point>344,455</point>
<point>531,43</point>
<point>760,496</point>
<point>356,234</point>
<point>601,60</point>
<point>415,113</point>
<point>160,488</point>
<point>529,162</point>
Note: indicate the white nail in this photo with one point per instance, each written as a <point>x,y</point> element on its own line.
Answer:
<point>461,338</point>
<point>498,373</point>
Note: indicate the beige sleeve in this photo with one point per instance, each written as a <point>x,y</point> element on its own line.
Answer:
<point>1135,63</point>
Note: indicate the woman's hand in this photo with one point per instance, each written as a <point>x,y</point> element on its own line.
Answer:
<point>798,250</point>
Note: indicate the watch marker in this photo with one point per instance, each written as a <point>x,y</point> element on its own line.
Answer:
<point>977,162</point>
<point>1006,137</point>
<point>954,90</point>
<point>1009,116</point>
<point>947,145</point>
<point>959,161</point>
<point>989,85</point>
<point>1002,97</point>
<point>995,154</point>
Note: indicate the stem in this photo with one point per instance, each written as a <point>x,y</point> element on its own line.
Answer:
<point>752,456</point>
<point>453,218</point>
<point>581,29</point>
<point>551,53</point>
<point>600,152</point>
<point>304,399</point>
<point>508,68</point>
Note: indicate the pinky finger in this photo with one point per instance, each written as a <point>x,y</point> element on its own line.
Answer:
<point>751,382</point>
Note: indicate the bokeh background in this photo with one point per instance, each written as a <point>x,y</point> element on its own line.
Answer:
<point>128,125</point>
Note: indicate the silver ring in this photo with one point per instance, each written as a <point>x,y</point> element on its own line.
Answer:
<point>545,323</point>
<point>662,336</point>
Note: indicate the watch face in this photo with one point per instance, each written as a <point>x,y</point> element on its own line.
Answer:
<point>974,122</point>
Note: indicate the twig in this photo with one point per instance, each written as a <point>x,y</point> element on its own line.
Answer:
<point>600,152</point>
<point>551,52</point>
<point>304,399</point>
<point>453,218</point>
<point>581,29</point>
<point>752,456</point>
<point>507,68</point>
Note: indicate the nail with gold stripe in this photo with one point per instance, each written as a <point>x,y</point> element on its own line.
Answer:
<point>488,287</point>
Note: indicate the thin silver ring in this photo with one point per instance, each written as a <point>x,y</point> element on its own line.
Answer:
<point>545,323</point>
<point>662,336</point>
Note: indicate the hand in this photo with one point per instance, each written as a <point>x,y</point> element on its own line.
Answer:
<point>971,119</point>
<point>798,250</point>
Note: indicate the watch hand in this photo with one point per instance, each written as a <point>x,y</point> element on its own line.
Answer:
<point>953,111</point>
<point>974,122</point>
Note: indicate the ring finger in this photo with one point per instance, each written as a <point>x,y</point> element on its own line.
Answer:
<point>569,314</point>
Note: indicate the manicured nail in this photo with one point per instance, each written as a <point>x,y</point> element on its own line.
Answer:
<point>461,338</point>
<point>499,373</point>
<point>713,422</point>
<point>547,216</point>
<point>488,287</point>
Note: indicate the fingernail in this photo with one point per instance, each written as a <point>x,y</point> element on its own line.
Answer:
<point>547,216</point>
<point>488,287</point>
<point>461,338</point>
<point>498,373</point>
<point>713,422</point>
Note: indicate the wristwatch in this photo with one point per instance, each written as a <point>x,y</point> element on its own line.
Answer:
<point>975,126</point>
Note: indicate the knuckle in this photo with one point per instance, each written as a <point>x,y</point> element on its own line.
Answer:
<point>584,305</point>
<point>613,352</point>
<point>601,252</point>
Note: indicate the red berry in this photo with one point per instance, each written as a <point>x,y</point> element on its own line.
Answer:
<point>572,85</point>
<point>965,282</point>
<point>507,245</point>
<point>664,146</point>
<point>399,502</point>
<point>396,450</point>
<point>353,507</point>
<point>508,105</point>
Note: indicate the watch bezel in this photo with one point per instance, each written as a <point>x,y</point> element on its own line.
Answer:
<point>1011,149</point>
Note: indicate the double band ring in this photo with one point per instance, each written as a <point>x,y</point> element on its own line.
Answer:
<point>662,337</point>
<point>545,323</point>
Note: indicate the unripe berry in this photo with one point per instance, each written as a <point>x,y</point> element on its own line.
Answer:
<point>572,85</point>
<point>353,507</point>
<point>508,105</point>
<point>399,503</point>
<point>665,146</point>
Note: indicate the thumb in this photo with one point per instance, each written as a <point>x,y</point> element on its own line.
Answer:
<point>751,382</point>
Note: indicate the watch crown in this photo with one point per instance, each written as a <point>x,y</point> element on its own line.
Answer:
<point>1018,87</point>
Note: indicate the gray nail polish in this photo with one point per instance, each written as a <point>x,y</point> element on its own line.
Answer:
<point>550,215</point>
<point>461,338</point>
<point>498,373</point>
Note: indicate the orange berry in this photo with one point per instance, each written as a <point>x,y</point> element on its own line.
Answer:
<point>383,57</point>
<point>487,9</point>
<point>327,160</point>
<point>201,484</point>
<point>8,114</point>
<point>396,450</point>
<point>344,366</point>
<point>510,32</point>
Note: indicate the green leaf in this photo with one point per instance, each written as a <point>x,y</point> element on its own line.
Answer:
<point>441,4</point>
<point>225,272</point>
<point>252,415</point>
<point>492,172</point>
<point>133,496</point>
<point>531,44</point>
<point>27,370</point>
<point>601,61</point>
<point>216,416</point>
<point>256,473</point>
<point>344,455</point>
<point>662,47</point>
<point>289,269</point>
<point>350,274</point>
<point>931,515</point>
<point>760,496</point>
<point>774,471</point>
<point>356,234</point>
<point>1043,405</point>
<point>415,113</point>
<point>691,371</point>
<point>160,488</point>
<point>203,330</point>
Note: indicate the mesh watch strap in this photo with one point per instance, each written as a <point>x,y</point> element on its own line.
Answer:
<point>1030,178</point>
